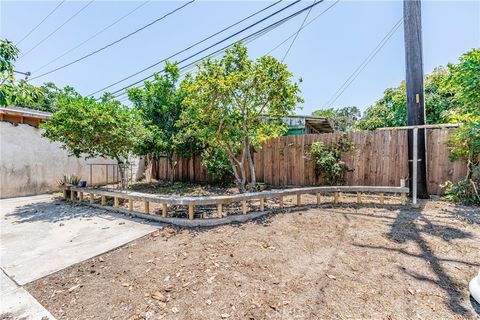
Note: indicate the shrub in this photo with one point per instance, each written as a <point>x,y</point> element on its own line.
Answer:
<point>327,160</point>
<point>462,192</point>
<point>215,160</point>
<point>71,179</point>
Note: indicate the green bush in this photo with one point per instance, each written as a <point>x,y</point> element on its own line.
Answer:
<point>461,192</point>
<point>327,160</point>
<point>215,160</point>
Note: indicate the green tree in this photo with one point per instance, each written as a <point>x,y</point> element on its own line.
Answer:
<point>8,54</point>
<point>160,105</point>
<point>19,92</point>
<point>12,91</point>
<point>342,119</point>
<point>88,128</point>
<point>228,100</point>
<point>464,81</point>
<point>391,109</point>
<point>45,97</point>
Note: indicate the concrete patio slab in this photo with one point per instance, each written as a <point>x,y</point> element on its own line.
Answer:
<point>40,235</point>
<point>17,303</point>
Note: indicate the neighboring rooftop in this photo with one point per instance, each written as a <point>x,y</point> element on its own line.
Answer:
<point>299,124</point>
<point>23,115</point>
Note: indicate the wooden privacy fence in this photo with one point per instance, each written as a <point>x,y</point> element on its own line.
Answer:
<point>380,158</point>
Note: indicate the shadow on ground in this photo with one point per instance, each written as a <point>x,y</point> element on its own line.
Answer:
<point>475,305</point>
<point>412,225</point>
<point>60,210</point>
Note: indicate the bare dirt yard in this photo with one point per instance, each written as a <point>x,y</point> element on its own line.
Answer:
<point>332,262</point>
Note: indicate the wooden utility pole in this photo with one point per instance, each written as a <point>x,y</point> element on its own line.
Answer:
<point>415,96</point>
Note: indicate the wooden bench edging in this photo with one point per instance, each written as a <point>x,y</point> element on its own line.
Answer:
<point>226,199</point>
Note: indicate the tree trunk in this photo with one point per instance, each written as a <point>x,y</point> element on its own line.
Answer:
<point>172,165</point>
<point>238,180</point>
<point>149,168</point>
<point>121,171</point>
<point>253,180</point>
<point>242,164</point>
<point>237,166</point>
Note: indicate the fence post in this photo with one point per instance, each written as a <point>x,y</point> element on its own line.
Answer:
<point>91,176</point>
<point>415,167</point>
<point>164,210</point>
<point>403,196</point>
<point>190,212</point>
<point>147,207</point>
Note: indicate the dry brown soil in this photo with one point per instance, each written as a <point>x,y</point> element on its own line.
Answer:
<point>346,261</point>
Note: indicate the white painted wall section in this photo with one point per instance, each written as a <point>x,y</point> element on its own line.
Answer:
<point>30,164</point>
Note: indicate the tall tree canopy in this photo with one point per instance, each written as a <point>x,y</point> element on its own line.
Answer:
<point>232,104</point>
<point>342,119</point>
<point>464,81</point>
<point>88,128</point>
<point>391,109</point>
<point>160,106</point>
<point>19,92</point>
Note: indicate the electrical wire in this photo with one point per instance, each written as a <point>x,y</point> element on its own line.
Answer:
<point>201,41</point>
<point>273,25</point>
<point>58,28</point>
<point>306,25</point>
<point>40,23</point>
<point>191,66</point>
<point>220,51</point>
<point>114,42</point>
<point>93,36</point>
<point>364,63</point>
<point>183,50</point>
<point>299,29</point>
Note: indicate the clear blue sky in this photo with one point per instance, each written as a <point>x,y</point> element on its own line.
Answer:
<point>324,54</point>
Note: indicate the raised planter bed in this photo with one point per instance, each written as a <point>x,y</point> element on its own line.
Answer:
<point>78,193</point>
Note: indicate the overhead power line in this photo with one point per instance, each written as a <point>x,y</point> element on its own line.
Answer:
<point>364,63</point>
<point>296,35</point>
<point>301,28</point>
<point>93,36</point>
<point>114,42</point>
<point>191,66</point>
<point>255,34</point>
<point>58,28</point>
<point>189,47</point>
<point>40,23</point>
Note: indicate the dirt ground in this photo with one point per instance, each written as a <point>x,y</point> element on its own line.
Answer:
<point>332,262</point>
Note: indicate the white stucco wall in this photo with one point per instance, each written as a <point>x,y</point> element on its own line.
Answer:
<point>30,164</point>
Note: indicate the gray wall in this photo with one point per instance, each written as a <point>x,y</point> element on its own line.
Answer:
<point>30,164</point>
